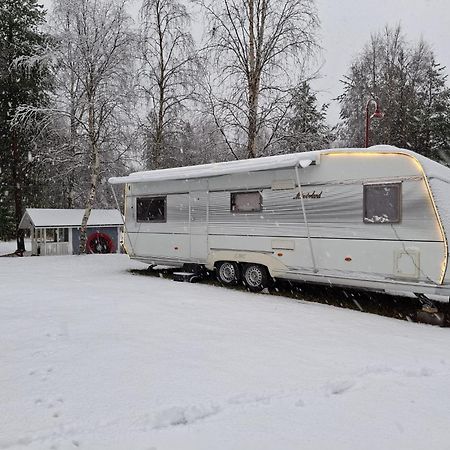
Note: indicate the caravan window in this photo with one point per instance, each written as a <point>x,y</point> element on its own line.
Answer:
<point>151,209</point>
<point>246,201</point>
<point>382,203</point>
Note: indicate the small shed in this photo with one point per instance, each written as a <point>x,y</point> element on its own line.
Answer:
<point>57,231</point>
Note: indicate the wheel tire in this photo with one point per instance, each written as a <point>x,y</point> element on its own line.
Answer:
<point>228,273</point>
<point>256,277</point>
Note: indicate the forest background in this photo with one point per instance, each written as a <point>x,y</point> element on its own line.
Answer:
<point>108,87</point>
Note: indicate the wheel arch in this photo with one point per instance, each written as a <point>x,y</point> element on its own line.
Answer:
<point>264,259</point>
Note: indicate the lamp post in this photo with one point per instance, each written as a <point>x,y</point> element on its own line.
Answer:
<point>377,115</point>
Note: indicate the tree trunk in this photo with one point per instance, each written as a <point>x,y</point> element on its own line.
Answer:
<point>17,189</point>
<point>253,85</point>
<point>252,121</point>
<point>159,137</point>
<point>73,133</point>
<point>95,171</point>
<point>90,200</point>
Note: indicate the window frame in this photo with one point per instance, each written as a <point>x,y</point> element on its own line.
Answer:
<point>150,197</point>
<point>398,186</point>
<point>233,203</point>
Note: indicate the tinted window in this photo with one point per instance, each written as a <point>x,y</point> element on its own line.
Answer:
<point>382,203</point>
<point>246,202</point>
<point>151,209</point>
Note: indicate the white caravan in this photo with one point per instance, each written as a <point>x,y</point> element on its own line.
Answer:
<point>376,218</point>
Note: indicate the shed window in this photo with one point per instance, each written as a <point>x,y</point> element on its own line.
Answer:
<point>63,235</point>
<point>57,235</point>
<point>50,235</point>
<point>246,201</point>
<point>151,209</point>
<point>382,203</point>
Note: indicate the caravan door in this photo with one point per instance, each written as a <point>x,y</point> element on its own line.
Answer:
<point>198,221</point>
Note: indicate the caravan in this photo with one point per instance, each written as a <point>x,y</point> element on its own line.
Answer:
<point>376,218</point>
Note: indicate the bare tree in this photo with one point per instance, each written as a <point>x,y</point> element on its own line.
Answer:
<point>169,68</point>
<point>97,45</point>
<point>259,47</point>
<point>69,97</point>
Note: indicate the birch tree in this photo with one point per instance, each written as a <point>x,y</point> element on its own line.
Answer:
<point>96,57</point>
<point>69,152</point>
<point>260,47</point>
<point>169,68</point>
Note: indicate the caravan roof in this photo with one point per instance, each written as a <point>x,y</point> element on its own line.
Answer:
<point>303,159</point>
<point>221,168</point>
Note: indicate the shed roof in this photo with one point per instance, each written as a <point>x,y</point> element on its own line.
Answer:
<point>60,218</point>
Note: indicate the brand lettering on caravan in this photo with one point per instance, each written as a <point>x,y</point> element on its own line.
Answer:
<point>312,194</point>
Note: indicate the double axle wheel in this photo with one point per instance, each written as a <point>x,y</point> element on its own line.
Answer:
<point>228,273</point>
<point>255,276</point>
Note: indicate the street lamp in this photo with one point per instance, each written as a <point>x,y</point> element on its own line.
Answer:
<point>377,115</point>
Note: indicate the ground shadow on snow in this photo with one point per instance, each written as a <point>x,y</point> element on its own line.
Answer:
<point>395,306</point>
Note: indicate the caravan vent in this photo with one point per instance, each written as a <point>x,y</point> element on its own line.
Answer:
<point>283,185</point>
<point>279,244</point>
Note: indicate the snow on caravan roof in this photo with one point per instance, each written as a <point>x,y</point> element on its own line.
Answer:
<point>221,168</point>
<point>59,218</point>
<point>431,168</point>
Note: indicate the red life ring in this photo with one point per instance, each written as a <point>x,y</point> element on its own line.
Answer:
<point>99,243</point>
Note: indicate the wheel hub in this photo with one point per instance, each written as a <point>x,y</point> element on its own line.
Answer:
<point>254,276</point>
<point>227,272</point>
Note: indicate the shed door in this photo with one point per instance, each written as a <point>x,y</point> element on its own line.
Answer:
<point>198,203</point>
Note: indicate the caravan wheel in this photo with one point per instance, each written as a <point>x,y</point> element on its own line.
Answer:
<point>228,273</point>
<point>256,277</point>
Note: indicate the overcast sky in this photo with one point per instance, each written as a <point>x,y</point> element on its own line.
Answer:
<point>346,25</point>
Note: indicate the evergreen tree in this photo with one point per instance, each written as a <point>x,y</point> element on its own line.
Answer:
<point>411,88</point>
<point>21,83</point>
<point>306,127</point>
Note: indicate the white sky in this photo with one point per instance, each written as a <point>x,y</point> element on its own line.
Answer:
<point>346,26</point>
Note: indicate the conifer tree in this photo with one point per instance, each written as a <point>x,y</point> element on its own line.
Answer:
<point>20,84</point>
<point>411,88</point>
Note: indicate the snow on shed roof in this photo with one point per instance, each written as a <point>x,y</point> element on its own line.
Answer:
<point>69,217</point>
<point>221,168</point>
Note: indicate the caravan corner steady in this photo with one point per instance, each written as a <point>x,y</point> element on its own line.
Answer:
<point>376,218</point>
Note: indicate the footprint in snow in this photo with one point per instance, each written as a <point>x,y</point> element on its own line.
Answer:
<point>339,387</point>
<point>423,372</point>
<point>176,416</point>
<point>243,399</point>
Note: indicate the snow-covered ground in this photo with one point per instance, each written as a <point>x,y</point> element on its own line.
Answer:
<point>93,357</point>
<point>9,247</point>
